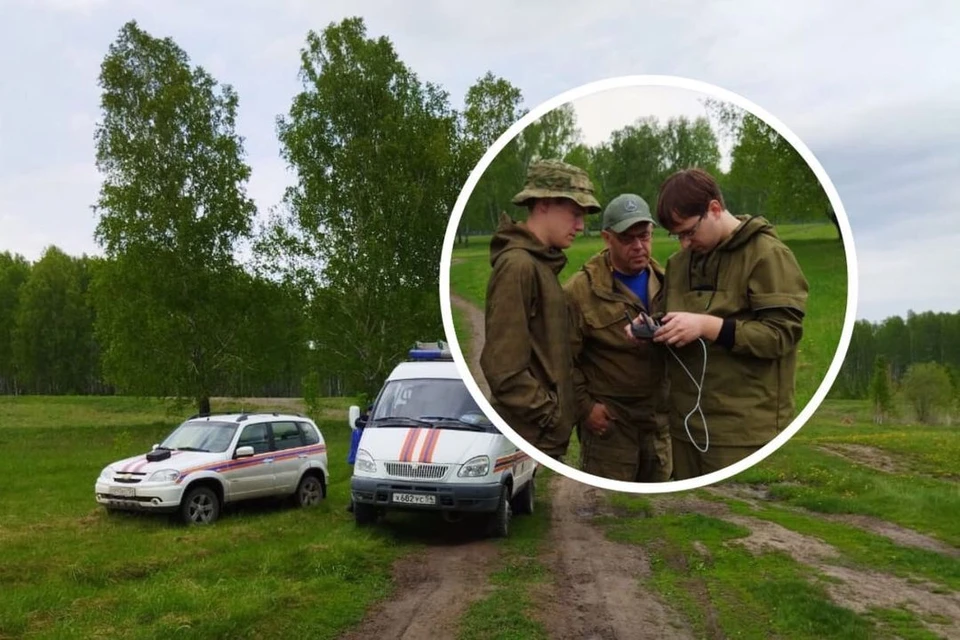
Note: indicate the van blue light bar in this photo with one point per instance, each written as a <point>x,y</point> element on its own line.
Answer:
<point>430,351</point>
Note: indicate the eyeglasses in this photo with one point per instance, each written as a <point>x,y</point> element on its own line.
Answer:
<point>630,238</point>
<point>689,233</point>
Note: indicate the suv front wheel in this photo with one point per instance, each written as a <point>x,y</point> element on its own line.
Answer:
<point>200,505</point>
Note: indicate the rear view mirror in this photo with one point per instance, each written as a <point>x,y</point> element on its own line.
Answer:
<point>243,452</point>
<point>352,416</point>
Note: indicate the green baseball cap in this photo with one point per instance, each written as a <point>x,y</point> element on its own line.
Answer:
<point>624,211</point>
<point>557,179</point>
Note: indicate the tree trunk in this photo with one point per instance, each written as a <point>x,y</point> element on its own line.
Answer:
<point>204,405</point>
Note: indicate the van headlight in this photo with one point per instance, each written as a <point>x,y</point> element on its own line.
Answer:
<point>364,462</point>
<point>164,475</point>
<point>106,474</point>
<point>475,467</point>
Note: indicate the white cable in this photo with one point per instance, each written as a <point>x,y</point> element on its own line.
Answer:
<point>699,387</point>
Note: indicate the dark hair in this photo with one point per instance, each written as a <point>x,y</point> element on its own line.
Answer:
<point>688,193</point>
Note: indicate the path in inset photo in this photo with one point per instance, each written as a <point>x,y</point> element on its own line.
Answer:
<point>475,320</point>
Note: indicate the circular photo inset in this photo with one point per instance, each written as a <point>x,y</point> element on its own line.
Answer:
<point>648,284</point>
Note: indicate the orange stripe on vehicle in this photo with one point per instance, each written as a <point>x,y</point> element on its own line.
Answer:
<point>406,452</point>
<point>229,465</point>
<point>509,461</point>
<point>429,445</point>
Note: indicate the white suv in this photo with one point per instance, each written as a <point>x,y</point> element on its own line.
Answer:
<point>209,461</point>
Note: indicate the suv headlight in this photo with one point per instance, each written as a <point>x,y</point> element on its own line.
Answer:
<point>106,474</point>
<point>164,475</point>
<point>364,462</point>
<point>475,467</point>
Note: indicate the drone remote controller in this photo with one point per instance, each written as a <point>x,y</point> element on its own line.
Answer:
<point>646,329</point>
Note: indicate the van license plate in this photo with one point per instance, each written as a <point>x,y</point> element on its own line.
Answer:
<point>126,492</point>
<point>414,498</point>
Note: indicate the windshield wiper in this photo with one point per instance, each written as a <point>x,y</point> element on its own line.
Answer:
<point>403,420</point>
<point>458,421</point>
<point>189,449</point>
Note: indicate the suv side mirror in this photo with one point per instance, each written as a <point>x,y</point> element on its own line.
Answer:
<point>243,452</point>
<point>352,416</point>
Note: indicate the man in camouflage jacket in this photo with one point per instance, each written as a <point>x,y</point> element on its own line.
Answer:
<point>526,356</point>
<point>620,388</point>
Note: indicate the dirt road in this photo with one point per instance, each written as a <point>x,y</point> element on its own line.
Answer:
<point>598,590</point>
<point>433,589</point>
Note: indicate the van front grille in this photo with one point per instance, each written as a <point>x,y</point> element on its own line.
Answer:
<point>415,470</point>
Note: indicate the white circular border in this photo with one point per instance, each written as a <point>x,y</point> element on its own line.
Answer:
<point>845,335</point>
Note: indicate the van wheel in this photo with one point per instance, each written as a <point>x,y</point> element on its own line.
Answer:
<point>200,505</point>
<point>309,491</point>
<point>522,503</point>
<point>364,514</point>
<point>499,525</point>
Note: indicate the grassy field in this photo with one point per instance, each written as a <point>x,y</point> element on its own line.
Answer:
<point>270,570</point>
<point>266,569</point>
<point>896,530</point>
<point>816,247</point>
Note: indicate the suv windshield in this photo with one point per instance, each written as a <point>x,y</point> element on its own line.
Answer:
<point>201,436</point>
<point>430,398</point>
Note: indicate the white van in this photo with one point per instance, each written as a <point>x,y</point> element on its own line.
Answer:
<point>427,446</point>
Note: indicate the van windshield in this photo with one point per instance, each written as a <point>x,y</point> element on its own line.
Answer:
<point>429,399</point>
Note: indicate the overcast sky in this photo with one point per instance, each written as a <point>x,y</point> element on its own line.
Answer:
<point>871,91</point>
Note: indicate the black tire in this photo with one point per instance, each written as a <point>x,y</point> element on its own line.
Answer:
<point>200,505</point>
<point>310,491</point>
<point>364,514</point>
<point>523,502</point>
<point>499,523</point>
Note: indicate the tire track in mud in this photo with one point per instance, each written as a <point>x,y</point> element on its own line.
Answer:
<point>856,588</point>
<point>903,536</point>
<point>597,590</point>
<point>432,591</point>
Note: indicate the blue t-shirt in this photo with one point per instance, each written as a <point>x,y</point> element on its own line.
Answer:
<point>637,284</point>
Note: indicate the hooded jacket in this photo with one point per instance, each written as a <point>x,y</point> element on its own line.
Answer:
<point>629,379</point>
<point>526,353</point>
<point>754,279</point>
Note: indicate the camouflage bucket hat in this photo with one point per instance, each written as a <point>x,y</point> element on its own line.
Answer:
<point>556,179</point>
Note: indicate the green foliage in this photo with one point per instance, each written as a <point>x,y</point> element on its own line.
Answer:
<point>492,106</point>
<point>880,392</point>
<point>767,176</point>
<point>376,152</point>
<point>172,208</point>
<point>14,272</point>
<point>52,343</point>
<point>927,386</point>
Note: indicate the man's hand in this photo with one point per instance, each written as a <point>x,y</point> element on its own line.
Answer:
<point>628,328</point>
<point>681,328</point>
<point>599,419</point>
